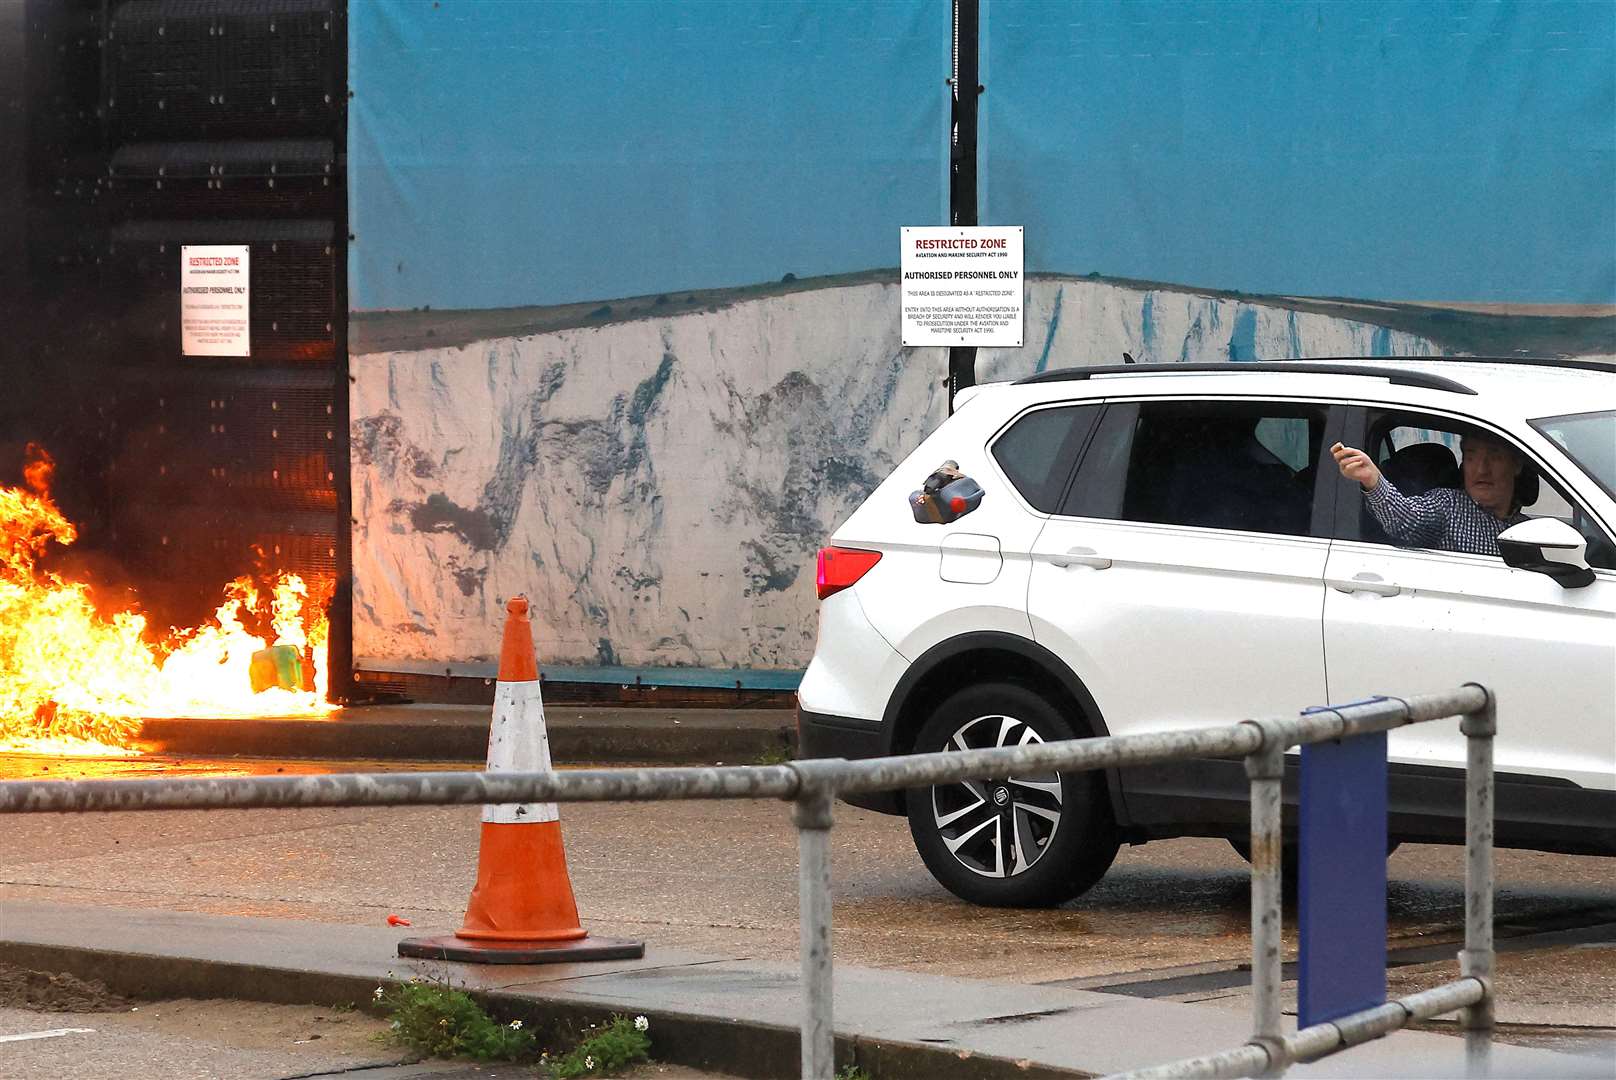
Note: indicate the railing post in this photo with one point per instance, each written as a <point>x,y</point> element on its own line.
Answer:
<point>1477,958</point>
<point>1266,768</point>
<point>811,813</point>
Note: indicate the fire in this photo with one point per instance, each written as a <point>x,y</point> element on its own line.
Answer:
<point>68,672</point>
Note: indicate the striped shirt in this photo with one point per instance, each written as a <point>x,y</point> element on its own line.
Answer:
<point>1443,518</point>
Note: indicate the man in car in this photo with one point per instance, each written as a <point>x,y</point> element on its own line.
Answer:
<point>1468,520</point>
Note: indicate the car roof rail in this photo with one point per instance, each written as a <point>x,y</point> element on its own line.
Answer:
<point>1396,376</point>
<point>1564,363</point>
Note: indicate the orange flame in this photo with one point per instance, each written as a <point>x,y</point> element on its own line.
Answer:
<point>68,672</point>
<point>39,470</point>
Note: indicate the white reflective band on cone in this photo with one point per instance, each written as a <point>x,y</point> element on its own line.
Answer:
<point>519,743</point>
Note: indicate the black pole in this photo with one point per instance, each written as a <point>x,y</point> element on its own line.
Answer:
<point>962,162</point>
<point>339,643</point>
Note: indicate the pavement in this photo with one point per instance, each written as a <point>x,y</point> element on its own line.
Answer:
<point>599,735</point>
<point>710,1011</point>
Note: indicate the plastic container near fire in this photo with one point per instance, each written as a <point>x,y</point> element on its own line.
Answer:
<point>282,666</point>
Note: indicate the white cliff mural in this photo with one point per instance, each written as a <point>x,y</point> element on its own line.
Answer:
<point>657,487</point>
<point>656,475</point>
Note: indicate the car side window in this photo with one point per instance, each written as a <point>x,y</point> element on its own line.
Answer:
<point>1037,452</point>
<point>1209,464</point>
<point>1420,453</point>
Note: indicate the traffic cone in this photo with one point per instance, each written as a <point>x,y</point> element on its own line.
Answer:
<point>522,909</point>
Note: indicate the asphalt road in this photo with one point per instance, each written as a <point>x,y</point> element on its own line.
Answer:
<point>1169,920</point>
<point>189,1039</point>
<point>233,1040</point>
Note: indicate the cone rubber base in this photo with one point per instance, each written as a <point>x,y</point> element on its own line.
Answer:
<point>450,947</point>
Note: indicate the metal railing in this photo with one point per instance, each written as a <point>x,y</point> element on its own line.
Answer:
<point>814,785</point>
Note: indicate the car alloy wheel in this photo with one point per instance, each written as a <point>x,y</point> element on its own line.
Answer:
<point>1002,826</point>
<point>1029,840</point>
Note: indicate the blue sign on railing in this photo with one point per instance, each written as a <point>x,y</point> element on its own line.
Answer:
<point>1341,905</point>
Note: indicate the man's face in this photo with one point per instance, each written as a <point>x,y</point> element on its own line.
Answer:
<point>1489,473</point>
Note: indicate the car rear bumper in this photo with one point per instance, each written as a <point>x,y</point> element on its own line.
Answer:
<point>824,735</point>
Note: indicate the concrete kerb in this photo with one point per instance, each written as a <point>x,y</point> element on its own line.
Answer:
<point>733,1045</point>
<point>596,735</point>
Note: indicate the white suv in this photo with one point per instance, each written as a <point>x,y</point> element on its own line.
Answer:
<point>1160,547</point>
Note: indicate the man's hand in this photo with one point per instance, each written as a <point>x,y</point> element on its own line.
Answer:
<point>1355,465</point>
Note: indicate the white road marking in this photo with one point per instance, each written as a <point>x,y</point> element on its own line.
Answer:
<point>53,1033</point>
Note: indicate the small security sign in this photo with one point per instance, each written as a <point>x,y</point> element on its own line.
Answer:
<point>213,300</point>
<point>962,286</point>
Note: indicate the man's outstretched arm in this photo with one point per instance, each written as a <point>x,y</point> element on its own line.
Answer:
<point>1411,522</point>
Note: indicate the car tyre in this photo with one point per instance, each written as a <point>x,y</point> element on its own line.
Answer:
<point>1013,841</point>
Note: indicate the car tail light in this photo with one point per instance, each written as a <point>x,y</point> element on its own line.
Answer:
<point>840,567</point>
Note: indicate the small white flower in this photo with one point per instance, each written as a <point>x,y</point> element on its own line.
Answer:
<point>589,1062</point>
<point>377,994</point>
<point>516,1025</point>
<point>641,1023</point>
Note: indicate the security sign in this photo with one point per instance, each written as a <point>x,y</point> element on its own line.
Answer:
<point>213,300</point>
<point>962,286</point>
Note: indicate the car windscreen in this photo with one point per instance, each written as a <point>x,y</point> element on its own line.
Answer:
<point>1589,439</point>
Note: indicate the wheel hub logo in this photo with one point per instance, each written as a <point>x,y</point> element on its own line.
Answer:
<point>1001,796</point>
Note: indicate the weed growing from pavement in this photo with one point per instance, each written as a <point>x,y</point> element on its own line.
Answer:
<point>604,1050</point>
<point>438,1021</point>
<point>852,1072</point>
<point>775,755</point>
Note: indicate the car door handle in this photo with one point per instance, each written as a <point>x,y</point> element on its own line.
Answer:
<point>1081,556</point>
<point>1365,582</point>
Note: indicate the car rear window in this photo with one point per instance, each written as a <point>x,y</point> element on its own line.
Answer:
<point>1038,451</point>
<point>1209,464</point>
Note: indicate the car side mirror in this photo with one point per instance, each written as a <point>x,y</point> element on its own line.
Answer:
<point>1547,546</point>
